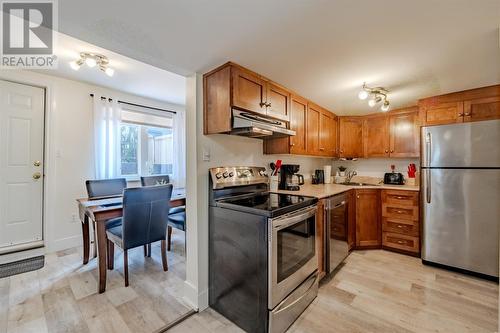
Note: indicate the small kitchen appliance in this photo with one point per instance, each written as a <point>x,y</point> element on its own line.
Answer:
<point>394,178</point>
<point>290,180</point>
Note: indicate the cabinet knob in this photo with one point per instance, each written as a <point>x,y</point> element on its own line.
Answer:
<point>400,226</point>
<point>400,242</point>
<point>460,114</point>
<point>322,149</point>
<point>392,151</point>
<point>292,144</point>
<point>467,114</point>
<point>268,105</point>
<point>262,104</point>
<point>386,151</point>
<point>357,196</point>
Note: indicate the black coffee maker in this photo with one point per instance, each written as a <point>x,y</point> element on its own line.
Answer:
<point>289,178</point>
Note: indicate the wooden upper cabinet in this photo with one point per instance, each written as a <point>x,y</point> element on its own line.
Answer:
<point>404,134</point>
<point>368,225</point>
<point>482,109</point>
<point>278,102</point>
<point>443,113</point>
<point>298,116</point>
<point>376,136</point>
<point>249,91</point>
<point>313,129</point>
<point>350,137</point>
<point>468,105</point>
<point>327,142</point>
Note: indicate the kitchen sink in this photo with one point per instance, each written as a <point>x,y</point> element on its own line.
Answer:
<point>357,184</point>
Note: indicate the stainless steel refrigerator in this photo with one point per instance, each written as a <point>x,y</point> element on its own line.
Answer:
<point>460,177</point>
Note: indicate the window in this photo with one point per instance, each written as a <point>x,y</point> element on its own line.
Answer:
<point>146,145</point>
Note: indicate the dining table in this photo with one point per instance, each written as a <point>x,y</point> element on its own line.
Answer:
<point>98,211</point>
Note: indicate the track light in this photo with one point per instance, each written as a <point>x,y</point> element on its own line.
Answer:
<point>377,94</point>
<point>92,60</point>
<point>385,106</point>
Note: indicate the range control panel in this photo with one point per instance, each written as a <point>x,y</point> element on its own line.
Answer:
<point>237,176</point>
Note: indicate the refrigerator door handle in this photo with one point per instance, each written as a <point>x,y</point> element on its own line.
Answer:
<point>428,149</point>
<point>428,185</point>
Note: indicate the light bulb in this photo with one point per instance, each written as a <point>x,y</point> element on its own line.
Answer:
<point>75,65</point>
<point>109,71</point>
<point>91,62</point>
<point>385,106</point>
<point>372,102</point>
<point>363,94</point>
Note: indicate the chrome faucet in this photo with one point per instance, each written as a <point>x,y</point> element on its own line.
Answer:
<point>349,176</point>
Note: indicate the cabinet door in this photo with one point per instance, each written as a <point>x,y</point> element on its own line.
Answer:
<point>444,113</point>
<point>376,136</point>
<point>298,116</point>
<point>350,137</point>
<point>326,145</point>
<point>278,102</point>
<point>249,91</point>
<point>482,109</point>
<point>313,129</point>
<point>368,228</point>
<point>404,138</point>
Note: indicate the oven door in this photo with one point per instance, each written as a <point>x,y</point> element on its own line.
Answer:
<point>292,252</point>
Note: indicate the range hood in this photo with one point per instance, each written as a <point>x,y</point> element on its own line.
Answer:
<point>254,126</point>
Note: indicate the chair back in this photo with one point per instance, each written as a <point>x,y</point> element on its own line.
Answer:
<point>155,180</point>
<point>145,214</point>
<point>105,187</point>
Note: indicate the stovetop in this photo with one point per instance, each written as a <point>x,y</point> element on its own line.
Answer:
<point>266,203</point>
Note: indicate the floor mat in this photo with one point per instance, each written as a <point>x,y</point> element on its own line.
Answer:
<point>21,266</point>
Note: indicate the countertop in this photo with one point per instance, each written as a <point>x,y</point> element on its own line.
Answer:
<point>321,191</point>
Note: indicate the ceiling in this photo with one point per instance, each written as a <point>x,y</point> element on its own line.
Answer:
<point>130,76</point>
<point>322,49</point>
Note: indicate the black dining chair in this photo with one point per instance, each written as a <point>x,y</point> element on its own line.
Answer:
<point>144,221</point>
<point>102,188</point>
<point>176,215</point>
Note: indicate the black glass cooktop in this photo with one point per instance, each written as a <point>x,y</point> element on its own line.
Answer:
<point>269,204</point>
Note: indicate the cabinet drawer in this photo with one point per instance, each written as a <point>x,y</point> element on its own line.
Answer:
<point>401,242</point>
<point>400,212</point>
<point>400,198</point>
<point>404,227</point>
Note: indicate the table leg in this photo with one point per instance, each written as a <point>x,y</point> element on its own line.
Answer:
<point>86,239</point>
<point>102,244</point>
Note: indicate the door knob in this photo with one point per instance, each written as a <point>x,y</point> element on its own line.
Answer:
<point>37,175</point>
<point>36,163</point>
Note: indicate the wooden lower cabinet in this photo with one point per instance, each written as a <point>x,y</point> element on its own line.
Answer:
<point>400,221</point>
<point>368,227</point>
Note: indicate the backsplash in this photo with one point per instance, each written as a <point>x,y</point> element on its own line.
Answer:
<point>376,167</point>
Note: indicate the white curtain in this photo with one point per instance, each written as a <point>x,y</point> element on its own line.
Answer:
<point>179,142</point>
<point>107,116</point>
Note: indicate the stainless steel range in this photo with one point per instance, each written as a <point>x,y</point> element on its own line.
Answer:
<point>262,250</point>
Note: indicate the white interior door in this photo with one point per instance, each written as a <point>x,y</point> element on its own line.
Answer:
<point>21,165</point>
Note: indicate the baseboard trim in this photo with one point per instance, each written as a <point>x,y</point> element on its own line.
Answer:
<point>16,256</point>
<point>65,243</point>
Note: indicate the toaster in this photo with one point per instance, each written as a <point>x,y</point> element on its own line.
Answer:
<point>394,178</point>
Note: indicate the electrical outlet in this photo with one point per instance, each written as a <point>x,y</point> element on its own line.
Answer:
<point>206,154</point>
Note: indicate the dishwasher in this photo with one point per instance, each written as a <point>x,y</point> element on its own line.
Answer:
<point>336,223</point>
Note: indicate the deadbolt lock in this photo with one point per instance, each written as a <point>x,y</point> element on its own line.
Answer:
<point>37,163</point>
<point>37,175</point>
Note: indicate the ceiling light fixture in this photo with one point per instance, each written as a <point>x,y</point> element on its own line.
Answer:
<point>92,60</point>
<point>378,94</point>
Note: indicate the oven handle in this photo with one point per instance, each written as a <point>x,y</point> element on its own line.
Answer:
<point>288,220</point>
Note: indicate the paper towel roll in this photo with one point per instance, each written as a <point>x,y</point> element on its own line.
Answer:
<point>327,169</point>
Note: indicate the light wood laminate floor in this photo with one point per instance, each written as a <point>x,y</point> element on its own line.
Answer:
<point>62,296</point>
<point>385,292</point>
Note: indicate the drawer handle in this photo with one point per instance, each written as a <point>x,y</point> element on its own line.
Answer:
<point>400,226</point>
<point>399,197</point>
<point>400,242</point>
<point>399,212</point>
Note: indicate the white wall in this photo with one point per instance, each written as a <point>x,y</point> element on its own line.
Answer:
<point>376,167</point>
<point>69,149</point>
